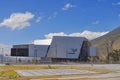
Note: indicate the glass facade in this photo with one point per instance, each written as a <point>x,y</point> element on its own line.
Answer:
<point>19,52</point>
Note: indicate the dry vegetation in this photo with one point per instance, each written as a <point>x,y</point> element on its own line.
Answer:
<point>8,73</point>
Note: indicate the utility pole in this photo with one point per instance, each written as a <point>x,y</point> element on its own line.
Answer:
<point>56,51</point>
<point>35,54</point>
<point>2,56</point>
<point>16,55</point>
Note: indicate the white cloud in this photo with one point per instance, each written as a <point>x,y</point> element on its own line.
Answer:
<point>101,0</point>
<point>119,15</point>
<point>38,19</point>
<point>42,42</point>
<point>88,34</point>
<point>96,22</point>
<point>53,15</point>
<point>17,20</point>
<point>50,35</point>
<point>117,3</point>
<point>68,6</point>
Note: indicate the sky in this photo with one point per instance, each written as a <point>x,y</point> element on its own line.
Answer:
<point>23,21</point>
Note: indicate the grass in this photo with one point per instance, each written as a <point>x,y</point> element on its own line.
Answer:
<point>8,73</point>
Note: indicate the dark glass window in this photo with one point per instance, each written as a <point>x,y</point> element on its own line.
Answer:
<point>19,52</point>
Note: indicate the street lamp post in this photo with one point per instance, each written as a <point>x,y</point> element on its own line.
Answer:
<point>66,56</point>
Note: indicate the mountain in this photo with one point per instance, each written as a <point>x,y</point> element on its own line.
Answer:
<point>106,43</point>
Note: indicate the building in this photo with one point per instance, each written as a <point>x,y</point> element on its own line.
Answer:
<point>59,49</point>
<point>29,50</point>
<point>64,48</point>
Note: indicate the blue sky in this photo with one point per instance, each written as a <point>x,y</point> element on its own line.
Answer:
<point>22,21</point>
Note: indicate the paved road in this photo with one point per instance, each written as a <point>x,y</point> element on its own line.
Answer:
<point>47,72</point>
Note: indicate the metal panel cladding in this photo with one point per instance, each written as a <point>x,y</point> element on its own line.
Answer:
<point>65,47</point>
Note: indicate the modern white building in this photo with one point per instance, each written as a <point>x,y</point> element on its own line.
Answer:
<point>60,48</point>
<point>69,48</point>
<point>29,50</point>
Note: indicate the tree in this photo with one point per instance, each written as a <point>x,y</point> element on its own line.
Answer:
<point>109,46</point>
<point>115,55</point>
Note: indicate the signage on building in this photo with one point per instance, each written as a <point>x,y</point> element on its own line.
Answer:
<point>72,51</point>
